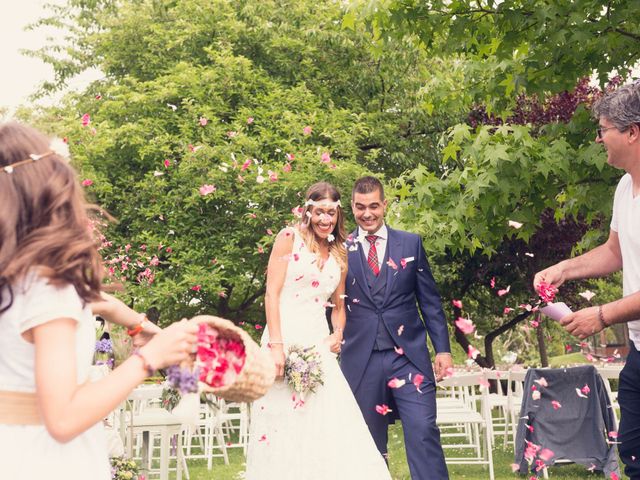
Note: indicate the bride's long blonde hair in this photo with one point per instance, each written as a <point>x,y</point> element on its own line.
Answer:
<point>316,192</point>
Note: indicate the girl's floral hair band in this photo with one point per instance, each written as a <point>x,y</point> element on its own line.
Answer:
<point>56,147</point>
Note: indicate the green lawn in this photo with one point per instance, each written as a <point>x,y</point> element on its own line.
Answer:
<point>399,469</point>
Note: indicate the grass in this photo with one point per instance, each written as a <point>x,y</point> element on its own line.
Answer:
<point>576,358</point>
<point>502,460</point>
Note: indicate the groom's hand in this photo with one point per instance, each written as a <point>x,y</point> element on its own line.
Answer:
<point>442,365</point>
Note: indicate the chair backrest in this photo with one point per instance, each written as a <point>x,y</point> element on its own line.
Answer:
<point>470,389</point>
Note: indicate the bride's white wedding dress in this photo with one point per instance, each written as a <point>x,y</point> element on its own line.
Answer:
<point>326,438</point>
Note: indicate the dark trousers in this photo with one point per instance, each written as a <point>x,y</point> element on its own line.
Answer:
<point>629,400</point>
<point>417,411</point>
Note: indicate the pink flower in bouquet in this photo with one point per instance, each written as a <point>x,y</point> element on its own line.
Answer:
<point>220,359</point>
<point>547,292</point>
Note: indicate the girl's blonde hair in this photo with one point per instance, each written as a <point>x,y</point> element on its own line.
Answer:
<point>44,226</point>
<point>316,192</point>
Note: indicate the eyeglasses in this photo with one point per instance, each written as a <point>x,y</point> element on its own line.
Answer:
<point>600,131</point>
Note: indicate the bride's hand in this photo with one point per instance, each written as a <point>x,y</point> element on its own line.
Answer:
<point>335,342</point>
<point>277,353</point>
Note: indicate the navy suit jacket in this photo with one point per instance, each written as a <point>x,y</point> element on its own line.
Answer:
<point>410,289</point>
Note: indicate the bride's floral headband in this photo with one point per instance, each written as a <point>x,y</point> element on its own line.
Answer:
<point>56,147</point>
<point>322,203</point>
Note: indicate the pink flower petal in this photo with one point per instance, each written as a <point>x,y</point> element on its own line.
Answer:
<point>417,381</point>
<point>473,352</point>
<point>383,409</point>
<point>396,383</point>
<point>465,325</point>
<point>504,291</point>
<point>457,303</point>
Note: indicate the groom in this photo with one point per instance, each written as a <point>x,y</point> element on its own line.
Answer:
<point>385,357</point>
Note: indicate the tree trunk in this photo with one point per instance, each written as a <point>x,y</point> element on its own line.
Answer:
<point>542,346</point>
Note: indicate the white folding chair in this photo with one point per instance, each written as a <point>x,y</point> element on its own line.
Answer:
<point>498,402</point>
<point>468,408</point>
<point>609,373</point>
<point>207,436</point>
<point>515,392</point>
<point>148,423</point>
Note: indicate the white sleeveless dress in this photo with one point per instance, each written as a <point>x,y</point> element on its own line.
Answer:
<point>327,437</point>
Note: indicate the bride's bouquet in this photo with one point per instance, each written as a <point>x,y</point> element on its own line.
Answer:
<point>303,370</point>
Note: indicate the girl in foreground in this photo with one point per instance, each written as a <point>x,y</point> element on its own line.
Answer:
<point>50,272</point>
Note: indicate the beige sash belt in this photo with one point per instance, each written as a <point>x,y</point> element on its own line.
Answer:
<point>19,408</point>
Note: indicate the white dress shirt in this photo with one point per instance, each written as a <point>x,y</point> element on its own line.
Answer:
<point>381,242</point>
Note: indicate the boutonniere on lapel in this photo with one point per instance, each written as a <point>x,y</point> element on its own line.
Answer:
<point>404,261</point>
<point>352,242</point>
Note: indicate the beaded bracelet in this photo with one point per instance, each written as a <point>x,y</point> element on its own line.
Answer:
<point>603,324</point>
<point>150,370</point>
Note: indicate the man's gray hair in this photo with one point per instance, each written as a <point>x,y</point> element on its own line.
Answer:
<point>621,107</point>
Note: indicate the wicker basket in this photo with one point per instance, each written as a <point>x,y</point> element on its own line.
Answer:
<point>258,372</point>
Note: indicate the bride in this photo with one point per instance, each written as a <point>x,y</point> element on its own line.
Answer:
<point>324,437</point>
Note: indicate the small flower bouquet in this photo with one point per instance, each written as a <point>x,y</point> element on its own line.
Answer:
<point>123,469</point>
<point>104,353</point>
<point>303,370</point>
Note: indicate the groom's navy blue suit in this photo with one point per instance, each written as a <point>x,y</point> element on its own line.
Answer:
<point>382,318</point>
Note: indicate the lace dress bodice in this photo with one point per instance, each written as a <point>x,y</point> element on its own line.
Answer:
<point>305,295</point>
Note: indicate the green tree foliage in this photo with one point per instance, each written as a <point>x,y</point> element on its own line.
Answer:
<point>530,46</point>
<point>524,164</point>
<point>211,120</point>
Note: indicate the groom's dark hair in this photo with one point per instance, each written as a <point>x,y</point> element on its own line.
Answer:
<point>367,184</point>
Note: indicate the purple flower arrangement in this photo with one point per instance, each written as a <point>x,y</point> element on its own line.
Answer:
<point>104,353</point>
<point>104,346</point>
<point>183,379</point>
<point>303,371</point>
